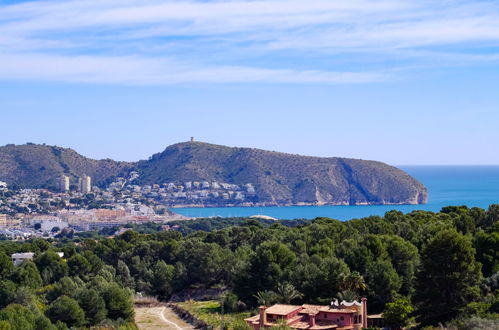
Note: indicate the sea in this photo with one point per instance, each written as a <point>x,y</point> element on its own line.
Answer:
<point>474,186</point>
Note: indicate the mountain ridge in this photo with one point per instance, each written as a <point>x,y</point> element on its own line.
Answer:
<point>278,178</point>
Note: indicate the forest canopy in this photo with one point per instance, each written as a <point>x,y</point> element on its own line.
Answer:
<point>433,267</point>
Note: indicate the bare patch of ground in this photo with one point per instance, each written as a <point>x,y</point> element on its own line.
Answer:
<point>159,317</point>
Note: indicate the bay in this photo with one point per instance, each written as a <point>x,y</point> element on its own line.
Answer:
<point>474,186</point>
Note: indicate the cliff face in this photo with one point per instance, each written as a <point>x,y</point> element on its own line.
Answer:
<point>278,178</point>
<point>281,178</point>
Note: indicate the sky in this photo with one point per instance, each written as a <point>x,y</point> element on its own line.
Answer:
<point>406,82</point>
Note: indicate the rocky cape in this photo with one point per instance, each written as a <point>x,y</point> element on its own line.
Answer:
<point>277,178</point>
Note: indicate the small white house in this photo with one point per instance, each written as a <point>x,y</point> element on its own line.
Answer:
<point>19,258</point>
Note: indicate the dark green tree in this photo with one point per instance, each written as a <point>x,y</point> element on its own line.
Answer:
<point>492,216</point>
<point>123,275</point>
<point>269,266</point>
<point>27,274</point>
<point>65,287</point>
<point>448,279</point>
<point>79,265</point>
<point>6,265</point>
<point>51,267</point>
<point>487,251</point>
<point>93,305</point>
<point>19,317</point>
<point>24,296</point>
<point>161,283</point>
<point>43,323</point>
<point>383,283</point>
<point>119,302</point>
<point>67,310</point>
<point>405,260</point>
<point>204,261</point>
<point>7,293</point>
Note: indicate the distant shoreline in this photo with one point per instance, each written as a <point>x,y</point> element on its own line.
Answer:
<point>247,205</point>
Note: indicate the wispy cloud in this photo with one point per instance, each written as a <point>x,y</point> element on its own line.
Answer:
<point>137,70</point>
<point>276,41</point>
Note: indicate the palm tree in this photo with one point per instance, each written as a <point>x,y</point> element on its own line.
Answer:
<point>265,298</point>
<point>347,295</point>
<point>354,282</point>
<point>286,293</point>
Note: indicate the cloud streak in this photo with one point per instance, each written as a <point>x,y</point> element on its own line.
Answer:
<point>274,41</point>
<point>140,71</point>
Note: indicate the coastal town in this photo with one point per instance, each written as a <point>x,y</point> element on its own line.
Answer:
<point>77,204</point>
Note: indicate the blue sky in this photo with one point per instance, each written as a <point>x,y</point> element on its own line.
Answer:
<point>405,82</point>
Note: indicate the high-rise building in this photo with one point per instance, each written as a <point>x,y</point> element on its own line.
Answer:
<point>63,183</point>
<point>86,184</point>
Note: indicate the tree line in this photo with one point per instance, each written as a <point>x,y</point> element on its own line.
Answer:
<point>423,267</point>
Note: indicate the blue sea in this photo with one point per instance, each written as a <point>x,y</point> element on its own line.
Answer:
<point>447,185</point>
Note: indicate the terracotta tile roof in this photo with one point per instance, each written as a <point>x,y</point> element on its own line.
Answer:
<point>253,318</point>
<point>280,309</point>
<point>310,309</point>
<point>300,325</point>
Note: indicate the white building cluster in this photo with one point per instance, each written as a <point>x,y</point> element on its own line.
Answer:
<point>172,193</point>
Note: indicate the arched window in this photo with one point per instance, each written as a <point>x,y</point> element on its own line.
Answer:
<point>360,318</point>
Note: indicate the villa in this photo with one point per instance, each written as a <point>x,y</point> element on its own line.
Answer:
<point>339,316</point>
<point>19,258</point>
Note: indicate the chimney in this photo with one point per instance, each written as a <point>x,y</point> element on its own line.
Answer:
<point>263,316</point>
<point>364,312</point>
<point>311,320</point>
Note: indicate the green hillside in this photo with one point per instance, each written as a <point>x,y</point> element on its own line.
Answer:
<point>39,166</point>
<point>278,178</point>
<point>284,178</point>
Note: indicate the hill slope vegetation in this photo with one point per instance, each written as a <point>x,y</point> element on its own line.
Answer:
<point>285,178</point>
<point>39,166</point>
<point>278,178</point>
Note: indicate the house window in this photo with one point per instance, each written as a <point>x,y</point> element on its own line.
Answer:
<point>325,315</point>
<point>342,318</point>
<point>360,318</point>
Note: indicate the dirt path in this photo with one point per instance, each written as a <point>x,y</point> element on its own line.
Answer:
<point>159,317</point>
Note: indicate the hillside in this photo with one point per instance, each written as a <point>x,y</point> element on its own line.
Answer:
<point>278,178</point>
<point>281,178</point>
<point>39,166</point>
